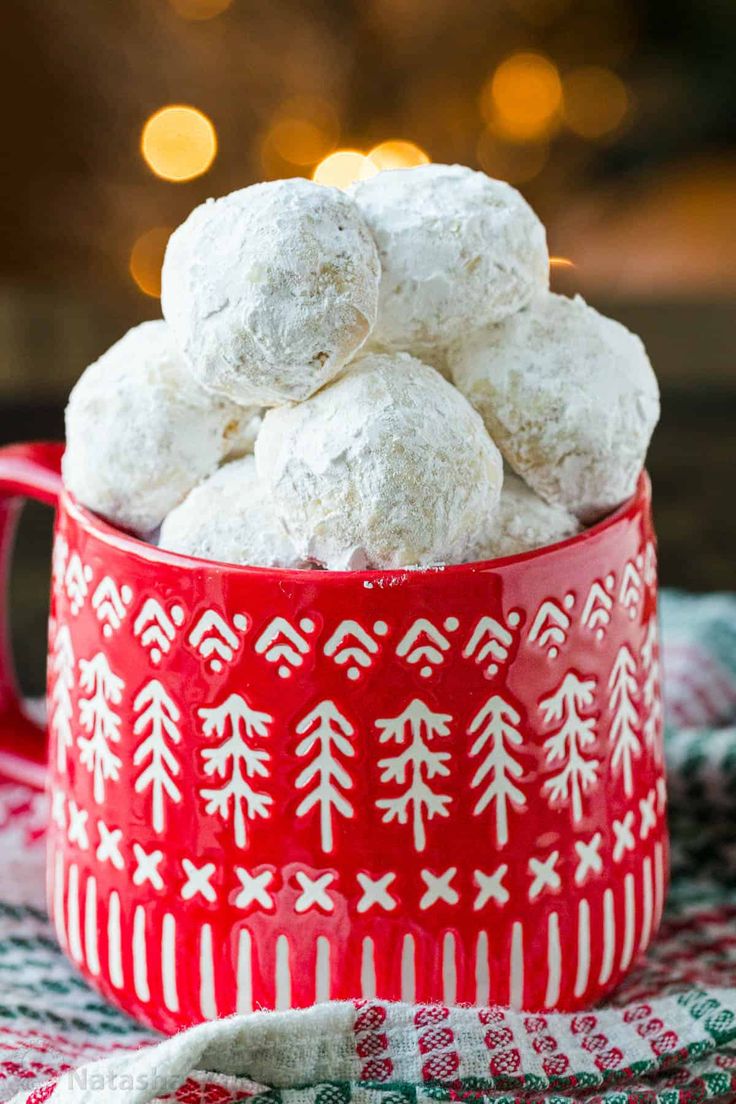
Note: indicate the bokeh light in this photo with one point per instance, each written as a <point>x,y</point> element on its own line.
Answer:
<point>303,131</point>
<point>178,142</point>
<point>561,262</point>
<point>523,98</point>
<point>146,258</point>
<point>510,161</point>
<point>397,154</point>
<point>299,141</point>
<point>344,167</point>
<point>595,101</point>
<point>200,9</point>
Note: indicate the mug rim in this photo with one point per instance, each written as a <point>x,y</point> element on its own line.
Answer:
<point>95,526</point>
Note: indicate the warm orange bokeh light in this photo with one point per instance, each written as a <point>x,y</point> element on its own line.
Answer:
<point>146,258</point>
<point>397,154</point>
<point>509,161</point>
<point>595,101</point>
<point>178,142</point>
<point>344,167</point>
<point>304,131</point>
<point>299,141</point>
<point>200,9</point>
<point>561,262</point>
<point>523,98</point>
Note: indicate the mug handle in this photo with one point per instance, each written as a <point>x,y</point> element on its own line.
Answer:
<point>30,470</point>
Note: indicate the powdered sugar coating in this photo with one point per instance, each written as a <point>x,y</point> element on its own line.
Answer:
<point>270,290</point>
<point>229,517</point>
<point>243,440</point>
<point>525,522</point>
<point>570,398</point>
<point>458,250</point>
<point>387,466</point>
<point>141,432</point>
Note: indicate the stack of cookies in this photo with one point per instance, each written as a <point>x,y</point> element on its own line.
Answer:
<point>377,378</point>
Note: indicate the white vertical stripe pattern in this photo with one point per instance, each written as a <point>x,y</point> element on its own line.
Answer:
<point>516,972</point>
<point>140,955</point>
<point>74,927</point>
<point>554,961</point>
<point>283,974</point>
<point>647,902</point>
<point>244,996</point>
<point>449,969</point>
<point>207,1001</point>
<point>408,976</point>
<point>629,922</point>
<point>482,973</point>
<point>368,969</point>
<point>114,947</point>
<point>609,937</point>
<point>322,970</point>
<point>583,971</point>
<point>168,963</point>
<point>90,927</point>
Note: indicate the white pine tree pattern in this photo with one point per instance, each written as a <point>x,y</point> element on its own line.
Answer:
<point>238,761</point>
<point>61,707</point>
<point>158,716</point>
<point>596,614</point>
<point>77,578</point>
<point>650,564</point>
<point>326,734</point>
<point>550,626</point>
<point>496,728</point>
<point>623,736</point>
<point>491,641</point>
<point>651,694</point>
<point>59,558</point>
<point>424,644</point>
<point>630,592</point>
<point>100,721</point>
<point>567,745</point>
<point>415,767</point>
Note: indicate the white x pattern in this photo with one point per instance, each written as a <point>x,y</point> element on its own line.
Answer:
<point>375,892</point>
<point>147,867</point>
<point>491,887</point>
<point>439,888</point>
<point>544,874</point>
<point>109,846</point>
<point>314,891</point>
<point>590,858</point>
<point>648,814</point>
<point>198,881</point>
<point>254,889</point>
<point>77,832</point>
<point>622,830</point>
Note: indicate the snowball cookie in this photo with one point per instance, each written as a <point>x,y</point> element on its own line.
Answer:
<point>457,249</point>
<point>569,397</point>
<point>269,291</point>
<point>141,432</point>
<point>524,522</point>
<point>388,466</point>
<point>229,517</point>
<point>243,439</point>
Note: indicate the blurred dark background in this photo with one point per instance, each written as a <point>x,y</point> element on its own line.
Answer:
<point>616,118</point>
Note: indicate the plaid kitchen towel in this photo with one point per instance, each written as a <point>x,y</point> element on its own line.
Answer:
<point>667,1035</point>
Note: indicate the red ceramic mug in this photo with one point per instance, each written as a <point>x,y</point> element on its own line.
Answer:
<point>270,788</point>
